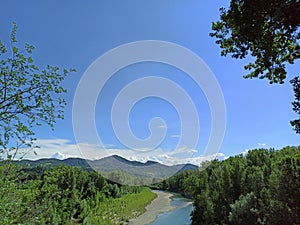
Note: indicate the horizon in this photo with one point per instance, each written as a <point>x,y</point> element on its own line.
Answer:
<point>60,156</point>
<point>128,155</point>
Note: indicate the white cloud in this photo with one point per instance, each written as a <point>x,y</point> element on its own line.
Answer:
<point>63,148</point>
<point>184,150</point>
<point>110,145</point>
<point>175,135</point>
<point>245,151</point>
<point>50,147</point>
<point>262,144</point>
<point>59,155</point>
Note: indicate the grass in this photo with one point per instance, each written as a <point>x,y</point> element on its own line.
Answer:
<point>120,210</point>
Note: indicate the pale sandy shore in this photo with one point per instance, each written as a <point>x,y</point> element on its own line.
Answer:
<point>159,205</point>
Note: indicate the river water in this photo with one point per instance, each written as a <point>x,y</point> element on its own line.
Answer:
<point>179,216</point>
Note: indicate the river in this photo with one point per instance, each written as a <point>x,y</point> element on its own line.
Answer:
<point>179,216</point>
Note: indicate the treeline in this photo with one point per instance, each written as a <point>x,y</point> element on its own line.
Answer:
<point>122,177</point>
<point>262,187</point>
<point>66,195</point>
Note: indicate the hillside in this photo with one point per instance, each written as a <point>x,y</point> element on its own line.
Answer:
<point>118,169</point>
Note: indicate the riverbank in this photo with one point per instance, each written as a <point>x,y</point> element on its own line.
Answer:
<point>159,205</point>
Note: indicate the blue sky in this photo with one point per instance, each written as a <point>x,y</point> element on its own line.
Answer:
<point>72,34</point>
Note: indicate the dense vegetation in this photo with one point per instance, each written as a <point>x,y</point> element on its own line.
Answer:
<point>66,195</point>
<point>262,187</point>
<point>117,169</point>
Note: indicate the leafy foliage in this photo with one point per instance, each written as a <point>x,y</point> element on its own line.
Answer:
<point>261,187</point>
<point>268,31</point>
<point>296,104</point>
<point>66,195</point>
<point>119,210</point>
<point>243,210</point>
<point>28,96</point>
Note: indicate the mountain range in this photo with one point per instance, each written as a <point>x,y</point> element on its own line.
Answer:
<point>117,168</point>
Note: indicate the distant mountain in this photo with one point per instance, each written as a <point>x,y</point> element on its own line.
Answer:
<point>188,167</point>
<point>118,169</point>
<point>50,162</point>
<point>148,169</point>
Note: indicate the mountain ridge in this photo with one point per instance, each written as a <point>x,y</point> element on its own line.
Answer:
<point>117,168</point>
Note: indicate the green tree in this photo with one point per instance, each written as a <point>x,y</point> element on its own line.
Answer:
<point>296,104</point>
<point>244,211</point>
<point>269,31</point>
<point>20,197</point>
<point>29,96</point>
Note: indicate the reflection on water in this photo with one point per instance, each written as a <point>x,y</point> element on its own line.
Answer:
<point>178,216</point>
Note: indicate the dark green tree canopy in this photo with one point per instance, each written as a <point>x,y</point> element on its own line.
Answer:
<point>268,30</point>
<point>296,104</point>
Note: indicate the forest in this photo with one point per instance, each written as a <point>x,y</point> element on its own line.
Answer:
<point>66,195</point>
<point>260,187</point>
